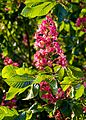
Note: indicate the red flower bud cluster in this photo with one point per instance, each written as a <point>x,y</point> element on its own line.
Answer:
<point>60,94</point>
<point>57,115</point>
<point>81,22</point>
<point>9,61</point>
<point>48,49</point>
<point>9,103</point>
<point>46,92</point>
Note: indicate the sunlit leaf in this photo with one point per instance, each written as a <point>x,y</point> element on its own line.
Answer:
<point>38,10</point>
<point>8,71</point>
<point>79,92</point>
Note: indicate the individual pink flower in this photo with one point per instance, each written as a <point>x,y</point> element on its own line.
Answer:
<point>8,61</point>
<point>15,64</point>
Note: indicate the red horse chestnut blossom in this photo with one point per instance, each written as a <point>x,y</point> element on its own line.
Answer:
<point>46,92</point>
<point>60,94</point>
<point>48,49</point>
<point>9,61</point>
<point>81,22</point>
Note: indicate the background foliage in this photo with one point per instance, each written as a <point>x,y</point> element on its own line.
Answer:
<point>19,20</point>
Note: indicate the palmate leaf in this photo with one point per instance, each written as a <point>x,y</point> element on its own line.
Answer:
<point>38,9</point>
<point>6,112</point>
<point>19,81</point>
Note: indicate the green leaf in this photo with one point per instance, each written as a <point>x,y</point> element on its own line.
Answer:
<point>5,52</point>
<point>83,11</point>
<point>21,71</point>
<point>66,83</point>
<point>6,112</point>
<point>57,68</point>
<point>28,115</point>
<point>41,77</point>
<point>73,26</point>
<point>54,86</point>
<point>79,92</point>
<point>30,94</point>
<point>61,73</point>
<point>75,1</point>
<point>81,33</point>
<point>77,72</point>
<point>13,91</point>
<point>67,27</point>
<point>61,26</point>
<point>35,1</point>
<point>61,12</point>
<point>35,89</point>
<point>38,10</point>
<point>66,108</point>
<point>22,116</point>
<point>19,81</point>
<point>8,71</point>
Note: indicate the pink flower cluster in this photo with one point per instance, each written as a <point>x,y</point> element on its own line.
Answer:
<point>46,90</point>
<point>47,93</point>
<point>57,115</point>
<point>48,49</point>
<point>9,103</point>
<point>81,22</point>
<point>60,94</point>
<point>9,61</point>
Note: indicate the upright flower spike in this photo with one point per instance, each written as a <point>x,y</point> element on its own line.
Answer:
<point>48,49</point>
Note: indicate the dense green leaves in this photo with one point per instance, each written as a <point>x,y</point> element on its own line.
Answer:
<point>6,112</point>
<point>65,87</point>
